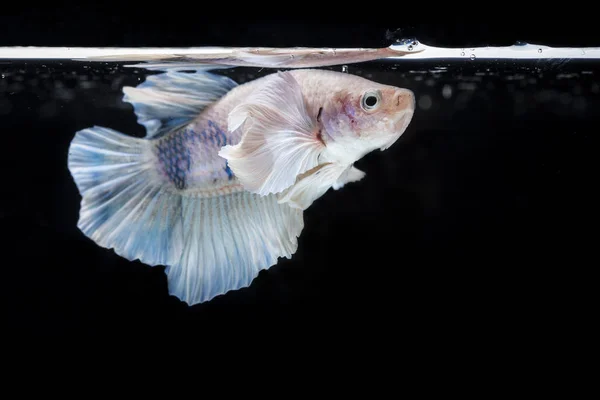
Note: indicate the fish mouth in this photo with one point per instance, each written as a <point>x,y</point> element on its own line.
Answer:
<point>399,126</point>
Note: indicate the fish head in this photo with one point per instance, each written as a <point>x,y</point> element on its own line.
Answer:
<point>359,116</point>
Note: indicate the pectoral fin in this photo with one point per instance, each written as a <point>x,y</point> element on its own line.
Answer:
<point>311,185</point>
<point>279,138</point>
<point>351,174</point>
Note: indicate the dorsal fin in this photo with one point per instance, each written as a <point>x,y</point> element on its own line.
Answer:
<point>174,98</point>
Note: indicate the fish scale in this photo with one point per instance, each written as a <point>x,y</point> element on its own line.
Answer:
<point>182,155</point>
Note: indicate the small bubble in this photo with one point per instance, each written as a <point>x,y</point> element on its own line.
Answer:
<point>425,102</point>
<point>345,68</point>
<point>539,50</point>
<point>462,53</point>
<point>3,76</point>
<point>472,56</point>
<point>410,48</point>
<point>447,91</point>
<point>582,52</point>
<point>467,86</point>
<point>64,94</point>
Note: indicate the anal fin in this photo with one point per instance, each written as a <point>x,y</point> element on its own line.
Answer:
<point>228,240</point>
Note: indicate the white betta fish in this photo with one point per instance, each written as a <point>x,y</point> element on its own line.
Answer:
<point>216,190</point>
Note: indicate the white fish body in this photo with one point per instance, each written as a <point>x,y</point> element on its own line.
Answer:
<point>216,190</point>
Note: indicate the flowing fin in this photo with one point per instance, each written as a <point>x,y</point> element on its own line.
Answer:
<point>174,98</point>
<point>279,139</point>
<point>209,245</point>
<point>351,174</point>
<point>124,206</point>
<point>228,240</point>
<point>311,185</point>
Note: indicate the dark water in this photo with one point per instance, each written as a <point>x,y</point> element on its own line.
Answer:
<point>478,216</point>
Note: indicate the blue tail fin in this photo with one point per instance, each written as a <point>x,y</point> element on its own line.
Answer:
<point>124,204</point>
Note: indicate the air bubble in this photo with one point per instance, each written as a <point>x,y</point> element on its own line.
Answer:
<point>472,56</point>
<point>539,50</point>
<point>447,91</point>
<point>425,102</point>
<point>462,53</point>
<point>410,48</point>
<point>345,68</point>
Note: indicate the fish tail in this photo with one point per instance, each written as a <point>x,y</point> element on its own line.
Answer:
<point>124,204</point>
<point>209,245</point>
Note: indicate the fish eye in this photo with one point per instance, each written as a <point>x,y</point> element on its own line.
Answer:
<point>370,100</point>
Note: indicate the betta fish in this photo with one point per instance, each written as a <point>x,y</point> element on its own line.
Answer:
<point>216,190</point>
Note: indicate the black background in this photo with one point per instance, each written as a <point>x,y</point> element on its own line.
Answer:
<point>504,257</point>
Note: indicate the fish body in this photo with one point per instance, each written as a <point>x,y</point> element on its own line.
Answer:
<point>216,190</point>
